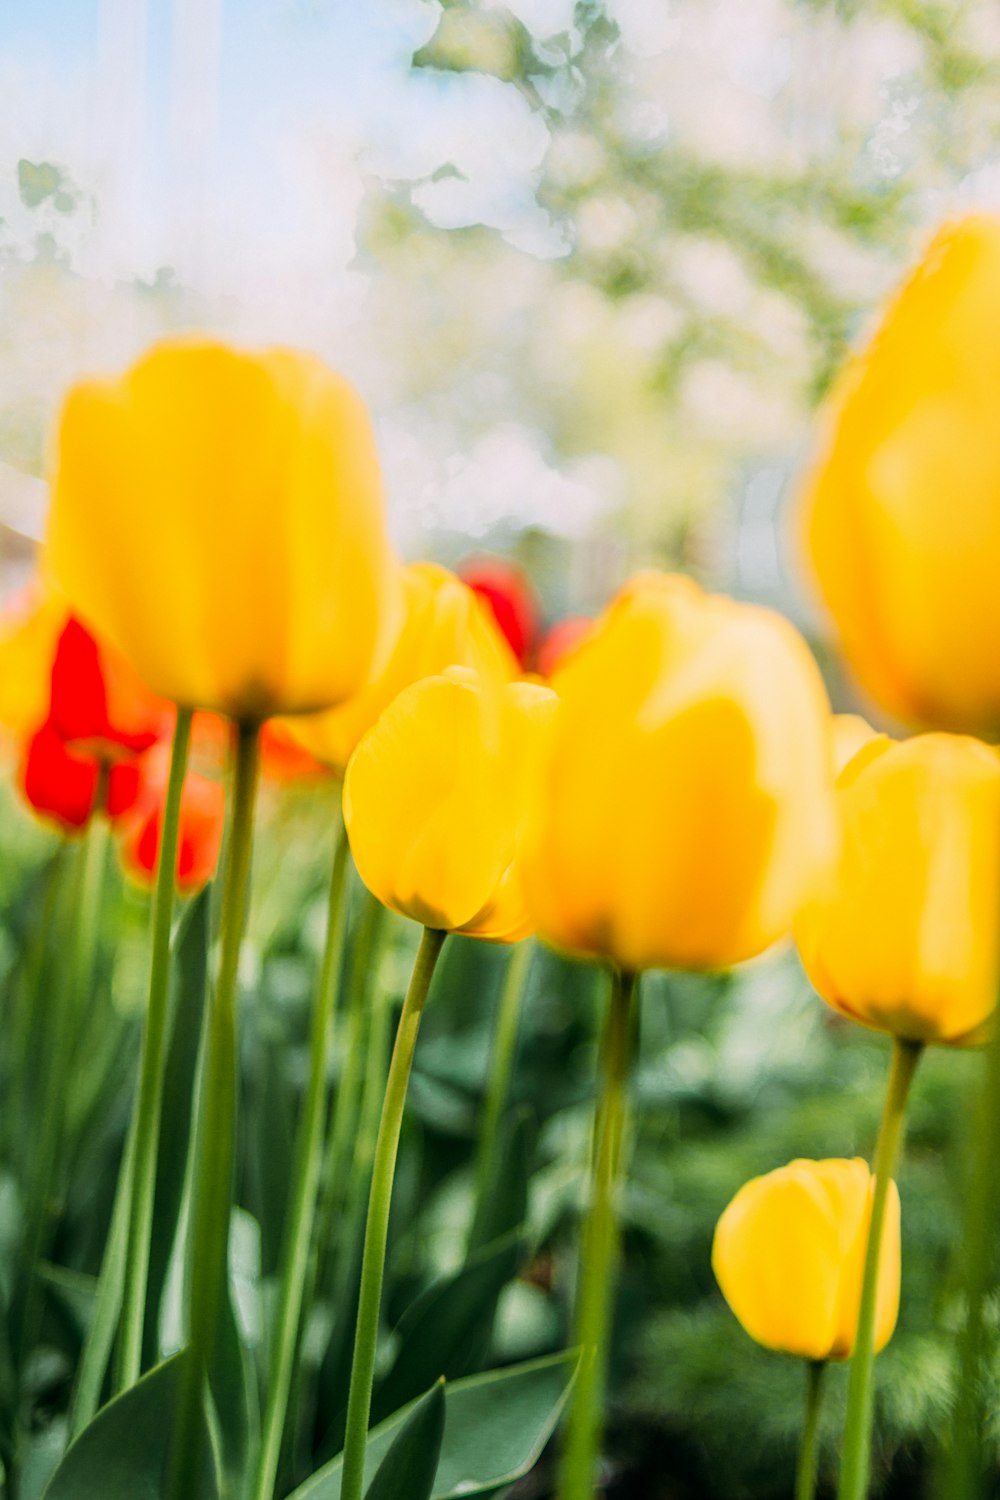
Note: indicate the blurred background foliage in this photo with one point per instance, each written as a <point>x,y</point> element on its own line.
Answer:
<point>602,353</point>
<point>595,304</point>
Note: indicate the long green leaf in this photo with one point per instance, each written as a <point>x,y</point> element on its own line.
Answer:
<point>496,1426</point>
<point>190,966</point>
<point>411,1463</point>
<point>446,1331</point>
<point>122,1454</point>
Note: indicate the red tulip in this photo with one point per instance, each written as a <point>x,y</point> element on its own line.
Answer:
<point>503,586</point>
<point>99,718</point>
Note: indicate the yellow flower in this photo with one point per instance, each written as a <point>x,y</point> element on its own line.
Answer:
<point>436,799</point>
<point>218,516</point>
<point>850,733</point>
<point>687,811</point>
<point>789,1255</point>
<point>444,625</point>
<point>905,938</point>
<point>29,633</point>
<point>901,511</point>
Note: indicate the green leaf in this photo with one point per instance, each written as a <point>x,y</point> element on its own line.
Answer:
<point>190,968</point>
<point>496,1426</point>
<point>122,1454</point>
<point>504,1205</point>
<point>446,1331</point>
<point>410,1465</point>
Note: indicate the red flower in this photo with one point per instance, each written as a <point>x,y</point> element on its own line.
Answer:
<point>511,598</point>
<point>203,811</point>
<point>97,700</point>
<point>62,783</point>
<point>100,717</point>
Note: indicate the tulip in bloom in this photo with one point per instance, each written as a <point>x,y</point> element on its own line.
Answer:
<point>687,810</point>
<point>444,625</point>
<point>510,599</point>
<point>98,719</point>
<point>218,516</point>
<point>437,797</point>
<point>789,1253</point>
<point>905,938</point>
<point>901,510</point>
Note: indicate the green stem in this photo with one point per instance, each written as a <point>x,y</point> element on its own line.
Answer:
<point>212,1188</point>
<point>599,1251</point>
<point>149,1101</point>
<point>805,1483</point>
<point>101,1333</point>
<point>965,1478</point>
<point>344,1126</point>
<point>500,1067</point>
<point>71,990</point>
<point>305,1181</point>
<point>856,1459</point>
<point>34,1032</point>
<point>377,1226</point>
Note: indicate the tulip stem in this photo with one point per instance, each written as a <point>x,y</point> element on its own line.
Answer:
<point>805,1483</point>
<point>212,1187</point>
<point>344,1129</point>
<point>377,1225</point>
<point>305,1180</point>
<point>501,1064</point>
<point>599,1250</point>
<point>149,1101</point>
<point>856,1460</point>
<point>82,895</point>
<point>966,1462</point>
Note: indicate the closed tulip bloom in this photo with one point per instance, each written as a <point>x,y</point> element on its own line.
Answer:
<point>687,810</point>
<point>789,1253</point>
<point>901,512</point>
<point>218,516</point>
<point>444,625</point>
<point>905,938</point>
<point>437,797</point>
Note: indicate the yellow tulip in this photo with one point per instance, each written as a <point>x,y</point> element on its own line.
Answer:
<point>29,632</point>
<point>437,796</point>
<point>850,734</point>
<point>905,938</point>
<point>789,1253</point>
<point>444,625</point>
<point>901,511</point>
<point>687,810</point>
<point>218,516</point>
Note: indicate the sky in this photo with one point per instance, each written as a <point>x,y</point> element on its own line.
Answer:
<point>232,138</point>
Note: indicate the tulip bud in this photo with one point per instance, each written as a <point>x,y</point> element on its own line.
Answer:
<point>902,521</point>
<point>687,811</point>
<point>444,625</point>
<point>789,1254</point>
<point>904,939</point>
<point>218,516</point>
<point>436,800</point>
